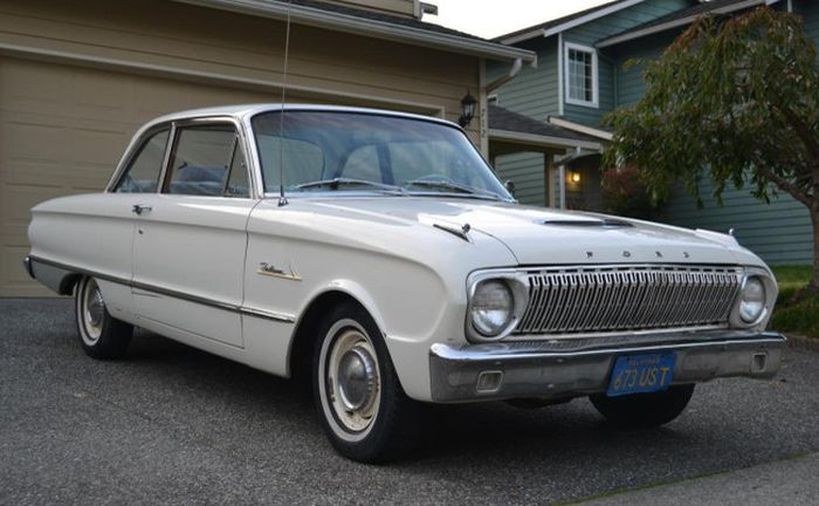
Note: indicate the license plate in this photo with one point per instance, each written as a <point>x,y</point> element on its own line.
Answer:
<point>636,374</point>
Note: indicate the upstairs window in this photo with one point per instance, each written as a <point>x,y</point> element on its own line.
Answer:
<point>581,75</point>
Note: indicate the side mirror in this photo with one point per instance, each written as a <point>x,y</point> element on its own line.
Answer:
<point>510,187</point>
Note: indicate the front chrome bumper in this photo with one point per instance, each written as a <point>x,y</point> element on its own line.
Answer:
<point>572,368</point>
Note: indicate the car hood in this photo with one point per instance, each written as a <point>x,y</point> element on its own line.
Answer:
<point>537,235</point>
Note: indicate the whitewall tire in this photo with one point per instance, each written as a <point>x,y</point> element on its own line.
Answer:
<point>101,335</point>
<point>363,408</point>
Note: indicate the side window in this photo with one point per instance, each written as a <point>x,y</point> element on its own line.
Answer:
<point>142,174</point>
<point>201,160</point>
<point>237,185</point>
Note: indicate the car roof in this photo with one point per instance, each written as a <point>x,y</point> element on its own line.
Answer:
<point>243,111</point>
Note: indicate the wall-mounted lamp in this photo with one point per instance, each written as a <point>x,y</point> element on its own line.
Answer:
<point>468,104</point>
<point>574,177</point>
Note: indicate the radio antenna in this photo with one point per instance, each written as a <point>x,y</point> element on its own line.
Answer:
<point>282,198</point>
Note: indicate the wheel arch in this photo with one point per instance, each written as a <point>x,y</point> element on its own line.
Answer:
<point>299,361</point>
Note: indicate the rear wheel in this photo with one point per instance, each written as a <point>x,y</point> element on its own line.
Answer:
<point>643,411</point>
<point>101,335</point>
<point>363,408</point>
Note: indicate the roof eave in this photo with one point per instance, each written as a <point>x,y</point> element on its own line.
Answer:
<point>546,141</point>
<point>603,135</point>
<point>374,28</point>
<point>651,30</point>
<point>562,27</point>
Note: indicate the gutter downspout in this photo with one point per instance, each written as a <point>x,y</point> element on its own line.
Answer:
<point>497,83</point>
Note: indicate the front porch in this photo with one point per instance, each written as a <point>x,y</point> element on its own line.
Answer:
<point>554,164</point>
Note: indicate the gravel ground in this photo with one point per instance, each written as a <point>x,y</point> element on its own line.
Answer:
<point>175,425</point>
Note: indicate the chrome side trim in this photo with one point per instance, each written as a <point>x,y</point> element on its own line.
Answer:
<point>559,370</point>
<point>153,289</point>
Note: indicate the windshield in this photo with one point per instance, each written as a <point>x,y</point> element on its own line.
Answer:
<point>345,151</point>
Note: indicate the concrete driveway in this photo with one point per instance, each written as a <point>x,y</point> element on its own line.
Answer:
<point>175,425</point>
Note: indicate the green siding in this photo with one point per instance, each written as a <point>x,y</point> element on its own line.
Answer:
<point>534,90</point>
<point>810,16</point>
<point>592,32</point>
<point>779,232</point>
<point>527,171</point>
<point>630,85</point>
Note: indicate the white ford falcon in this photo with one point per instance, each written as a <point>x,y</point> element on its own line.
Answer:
<point>377,253</point>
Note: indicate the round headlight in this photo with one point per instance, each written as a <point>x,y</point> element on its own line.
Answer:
<point>492,307</point>
<point>752,300</point>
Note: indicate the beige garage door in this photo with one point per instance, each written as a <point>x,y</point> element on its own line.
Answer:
<point>62,130</point>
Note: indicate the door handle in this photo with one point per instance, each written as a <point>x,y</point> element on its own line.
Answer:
<point>139,209</point>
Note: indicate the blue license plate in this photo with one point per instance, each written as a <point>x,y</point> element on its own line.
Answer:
<point>636,374</point>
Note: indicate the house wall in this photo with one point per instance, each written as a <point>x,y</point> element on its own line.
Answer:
<point>527,171</point>
<point>78,78</point>
<point>535,92</point>
<point>630,60</point>
<point>780,231</point>
<point>589,33</point>
<point>532,92</point>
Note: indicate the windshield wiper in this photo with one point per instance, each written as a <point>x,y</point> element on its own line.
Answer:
<point>449,185</point>
<point>336,182</point>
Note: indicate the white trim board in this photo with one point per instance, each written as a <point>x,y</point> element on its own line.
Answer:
<point>562,27</point>
<point>595,101</point>
<point>577,127</point>
<point>546,141</point>
<point>560,74</point>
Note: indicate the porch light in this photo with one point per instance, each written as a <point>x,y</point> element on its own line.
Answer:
<point>468,104</point>
<point>574,177</point>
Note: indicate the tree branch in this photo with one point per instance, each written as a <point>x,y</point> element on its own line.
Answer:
<point>793,190</point>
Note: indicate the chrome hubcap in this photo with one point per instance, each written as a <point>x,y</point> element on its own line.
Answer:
<point>96,308</point>
<point>93,311</point>
<point>352,379</point>
<point>356,379</point>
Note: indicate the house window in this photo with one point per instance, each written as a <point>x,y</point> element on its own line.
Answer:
<point>581,75</point>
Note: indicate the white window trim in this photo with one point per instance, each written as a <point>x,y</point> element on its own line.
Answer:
<point>595,81</point>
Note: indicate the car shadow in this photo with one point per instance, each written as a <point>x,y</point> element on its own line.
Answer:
<point>467,432</point>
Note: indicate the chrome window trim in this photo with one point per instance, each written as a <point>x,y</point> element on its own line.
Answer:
<point>134,148</point>
<point>154,289</point>
<point>238,127</point>
<point>242,127</point>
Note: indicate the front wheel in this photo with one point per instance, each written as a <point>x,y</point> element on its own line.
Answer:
<point>643,411</point>
<point>363,408</point>
<point>101,335</point>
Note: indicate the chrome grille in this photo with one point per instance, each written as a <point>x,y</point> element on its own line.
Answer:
<point>574,300</point>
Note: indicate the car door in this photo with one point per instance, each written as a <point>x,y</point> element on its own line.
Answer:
<point>109,248</point>
<point>190,241</point>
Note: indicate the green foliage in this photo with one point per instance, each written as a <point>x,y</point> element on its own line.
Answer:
<point>735,100</point>
<point>802,315</point>
<point>800,318</point>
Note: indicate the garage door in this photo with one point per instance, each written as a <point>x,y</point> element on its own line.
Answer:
<point>63,129</point>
